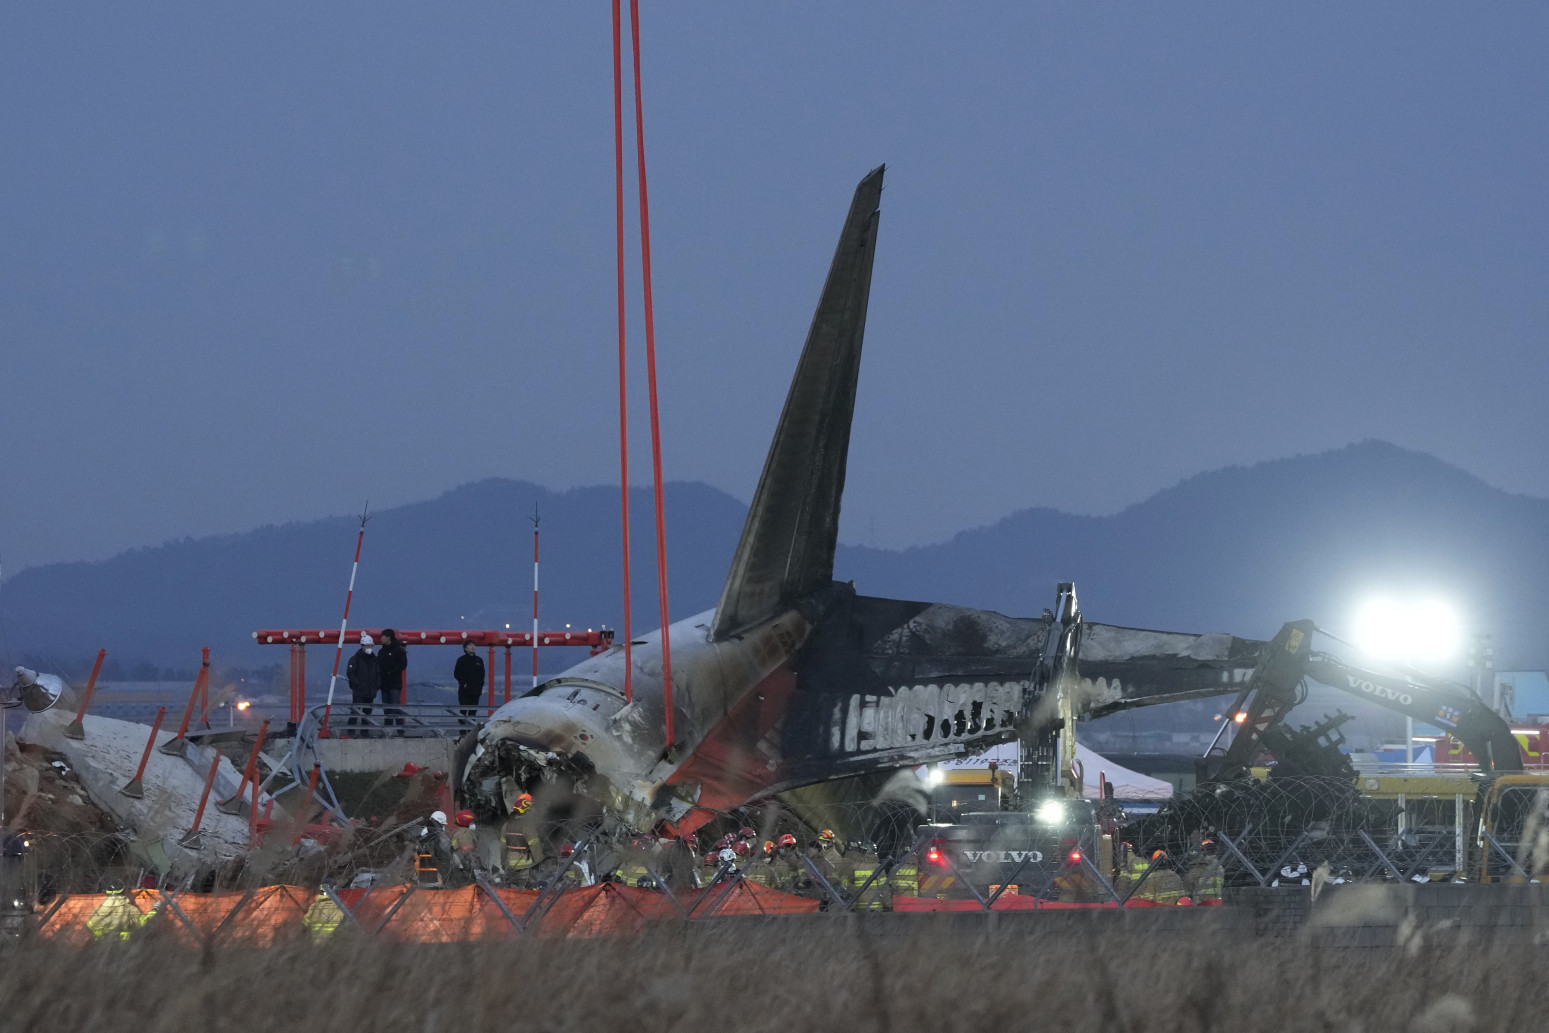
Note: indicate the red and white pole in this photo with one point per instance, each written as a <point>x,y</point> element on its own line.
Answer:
<point>535,599</point>
<point>344,623</point>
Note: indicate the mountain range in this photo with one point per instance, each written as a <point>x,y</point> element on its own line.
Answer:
<point>1241,549</point>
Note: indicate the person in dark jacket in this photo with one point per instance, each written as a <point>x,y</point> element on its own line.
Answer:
<point>469,673</point>
<point>394,662</point>
<point>365,677</point>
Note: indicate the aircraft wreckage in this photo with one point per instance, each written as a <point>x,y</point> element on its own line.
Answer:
<point>797,686</point>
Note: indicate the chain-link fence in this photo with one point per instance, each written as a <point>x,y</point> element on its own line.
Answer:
<point>773,860</point>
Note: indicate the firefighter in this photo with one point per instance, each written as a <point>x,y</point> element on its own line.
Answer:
<point>863,883</point>
<point>761,868</point>
<point>904,879</point>
<point>1132,866</point>
<point>711,875</point>
<point>463,842</point>
<point>833,856</point>
<point>523,850</point>
<point>116,917</point>
<point>786,867</point>
<point>1164,885</point>
<point>1206,879</point>
<point>323,917</point>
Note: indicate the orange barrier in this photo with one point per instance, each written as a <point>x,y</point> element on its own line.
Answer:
<point>749,898</point>
<point>409,914</point>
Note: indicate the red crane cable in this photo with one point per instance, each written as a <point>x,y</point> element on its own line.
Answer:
<point>618,223</point>
<point>650,365</point>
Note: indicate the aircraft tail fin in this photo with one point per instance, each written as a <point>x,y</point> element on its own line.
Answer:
<point>787,545</point>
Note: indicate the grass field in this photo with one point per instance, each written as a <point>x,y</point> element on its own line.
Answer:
<point>828,975</point>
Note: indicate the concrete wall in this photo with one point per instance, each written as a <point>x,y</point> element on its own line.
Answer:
<point>390,755</point>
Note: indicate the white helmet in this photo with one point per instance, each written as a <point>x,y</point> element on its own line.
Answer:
<point>728,856</point>
<point>439,817</point>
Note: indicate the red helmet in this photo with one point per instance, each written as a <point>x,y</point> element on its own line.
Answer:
<point>711,860</point>
<point>522,803</point>
<point>740,849</point>
<point>566,850</point>
<point>464,818</point>
<point>787,840</point>
<point>748,832</point>
<point>826,836</point>
<point>768,847</point>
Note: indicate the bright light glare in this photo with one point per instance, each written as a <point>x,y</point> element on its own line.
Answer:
<point>1422,631</point>
<point>1051,812</point>
<point>243,705</point>
<point>934,777</point>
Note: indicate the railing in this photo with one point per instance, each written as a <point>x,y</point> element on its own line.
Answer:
<point>392,720</point>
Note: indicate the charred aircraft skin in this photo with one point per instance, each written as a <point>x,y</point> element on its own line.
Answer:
<point>794,681</point>
<point>841,685</point>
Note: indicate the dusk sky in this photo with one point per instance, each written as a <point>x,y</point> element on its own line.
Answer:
<point>263,262</point>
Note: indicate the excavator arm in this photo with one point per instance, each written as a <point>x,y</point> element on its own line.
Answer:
<point>1276,687</point>
<point>1448,706</point>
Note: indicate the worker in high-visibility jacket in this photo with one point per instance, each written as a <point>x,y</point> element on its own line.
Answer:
<point>1131,867</point>
<point>761,868</point>
<point>864,882</point>
<point>1205,878</point>
<point>522,849</point>
<point>904,879</point>
<point>786,869</point>
<point>116,917</point>
<point>832,853</point>
<point>323,918</point>
<point>1164,885</point>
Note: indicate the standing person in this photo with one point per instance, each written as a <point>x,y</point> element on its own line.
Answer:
<point>469,672</point>
<point>393,663</point>
<point>364,674</point>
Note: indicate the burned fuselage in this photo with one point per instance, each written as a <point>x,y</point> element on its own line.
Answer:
<point>843,685</point>
<point>840,685</point>
<point>794,680</point>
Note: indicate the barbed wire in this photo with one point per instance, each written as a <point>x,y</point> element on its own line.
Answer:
<point>1252,832</point>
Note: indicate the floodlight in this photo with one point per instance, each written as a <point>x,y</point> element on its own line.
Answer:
<point>1424,630</point>
<point>1051,812</point>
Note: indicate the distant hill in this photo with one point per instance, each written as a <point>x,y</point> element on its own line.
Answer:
<point>1240,549</point>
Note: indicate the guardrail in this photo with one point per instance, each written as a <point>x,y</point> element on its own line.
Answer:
<point>389,720</point>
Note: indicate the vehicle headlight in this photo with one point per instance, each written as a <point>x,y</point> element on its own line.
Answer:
<point>1051,812</point>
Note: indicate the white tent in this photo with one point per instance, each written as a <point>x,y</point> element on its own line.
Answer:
<point>1127,784</point>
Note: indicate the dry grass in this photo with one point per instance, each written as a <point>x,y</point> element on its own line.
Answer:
<point>891,975</point>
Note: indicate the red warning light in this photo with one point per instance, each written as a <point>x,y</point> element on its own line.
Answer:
<point>933,856</point>
<point>1075,857</point>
